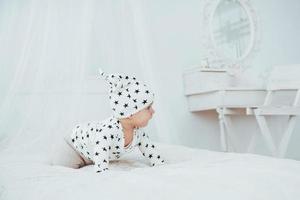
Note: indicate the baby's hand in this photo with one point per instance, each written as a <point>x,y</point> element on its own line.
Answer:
<point>100,171</point>
<point>157,163</point>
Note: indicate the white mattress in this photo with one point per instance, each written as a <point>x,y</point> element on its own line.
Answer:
<point>188,174</point>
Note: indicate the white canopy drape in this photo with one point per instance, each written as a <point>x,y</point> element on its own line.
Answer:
<point>50,51</point>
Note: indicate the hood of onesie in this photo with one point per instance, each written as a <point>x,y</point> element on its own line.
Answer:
<point>127,95</point>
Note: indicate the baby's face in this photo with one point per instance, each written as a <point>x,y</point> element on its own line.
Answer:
<point>142,117</point>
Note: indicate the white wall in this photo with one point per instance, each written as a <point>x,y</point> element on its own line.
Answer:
<point>280,30</point>
<point>174,30</point>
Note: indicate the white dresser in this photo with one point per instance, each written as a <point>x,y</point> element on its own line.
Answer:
<point>211,89</point>
<point>231,95</point>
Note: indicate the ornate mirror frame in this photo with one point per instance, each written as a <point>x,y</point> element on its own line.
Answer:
<point>216,59</point>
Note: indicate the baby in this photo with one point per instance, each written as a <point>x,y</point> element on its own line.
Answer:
<point>99,142</point>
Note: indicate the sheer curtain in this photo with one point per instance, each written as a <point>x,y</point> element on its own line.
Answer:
<point>50,51</point>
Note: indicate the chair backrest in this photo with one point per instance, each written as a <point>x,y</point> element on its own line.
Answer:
<point>284,77</point>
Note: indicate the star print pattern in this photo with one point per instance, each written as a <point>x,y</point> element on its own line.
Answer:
<point>106,142</point>
<point>149,151</point>
<point>127,95</point>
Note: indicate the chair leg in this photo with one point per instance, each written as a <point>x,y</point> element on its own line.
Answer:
<point>266,133</point>
<point>286,136</point>
<point>224,145</point>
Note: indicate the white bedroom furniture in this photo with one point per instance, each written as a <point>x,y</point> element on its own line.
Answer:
<point>220,82</point>
<point>214,90</point>
<point>282,79</point>
<point>211,90</point>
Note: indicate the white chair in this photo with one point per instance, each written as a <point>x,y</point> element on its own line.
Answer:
<point>282,78</point>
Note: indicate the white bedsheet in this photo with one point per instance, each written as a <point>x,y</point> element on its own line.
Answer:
<point>188,174</point>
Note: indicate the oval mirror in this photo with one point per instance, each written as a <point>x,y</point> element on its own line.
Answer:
<point>231,29</point>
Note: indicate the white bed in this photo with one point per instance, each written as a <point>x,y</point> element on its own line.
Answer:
<point>189,174</point>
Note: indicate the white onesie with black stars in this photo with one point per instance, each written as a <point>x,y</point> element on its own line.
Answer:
<point>103,141</point>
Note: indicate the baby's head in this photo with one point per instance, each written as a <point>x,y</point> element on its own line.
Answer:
<point>130,99</point>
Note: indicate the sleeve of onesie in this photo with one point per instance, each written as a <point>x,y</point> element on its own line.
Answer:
<point>149,150</point>
<point>101,154</point>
